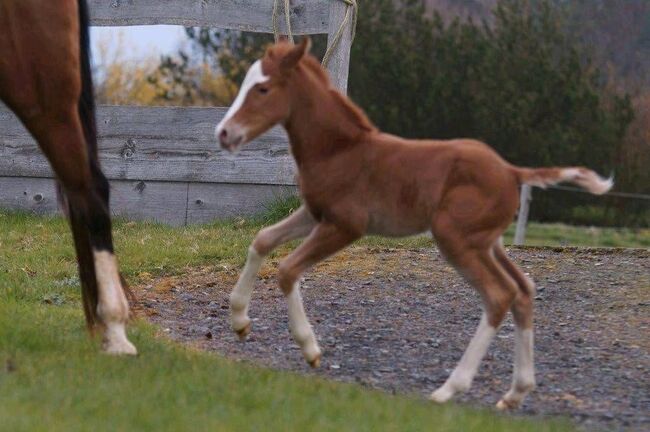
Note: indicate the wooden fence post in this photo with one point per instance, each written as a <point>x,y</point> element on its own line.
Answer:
<point>339,62</point>
<point>525,198</point>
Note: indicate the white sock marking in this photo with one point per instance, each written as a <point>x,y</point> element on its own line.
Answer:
<point>299,325</point>
<point>461,378</point>
<point>523,377</point>
<point>112,308</point>
<point>241,295</point>
<point>524,356</point>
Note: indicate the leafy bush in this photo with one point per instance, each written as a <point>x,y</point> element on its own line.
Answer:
<point>519,83</point>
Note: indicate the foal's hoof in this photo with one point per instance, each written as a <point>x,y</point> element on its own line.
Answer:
<point>504,405</point>
<point>440,396</point>
<point>315,362</point>
<point>244,332</point>
<point>119,348</point>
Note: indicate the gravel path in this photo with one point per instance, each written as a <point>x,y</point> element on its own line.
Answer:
<point>400,319</point>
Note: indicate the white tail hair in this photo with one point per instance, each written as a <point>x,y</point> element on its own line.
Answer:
<point>587,180</point>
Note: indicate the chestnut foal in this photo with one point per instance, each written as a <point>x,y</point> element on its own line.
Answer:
<point>355,180</point>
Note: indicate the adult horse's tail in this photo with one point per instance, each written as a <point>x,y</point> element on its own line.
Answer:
<point>78,220</point>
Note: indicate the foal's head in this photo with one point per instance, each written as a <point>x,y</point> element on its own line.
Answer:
<point>263,100</point>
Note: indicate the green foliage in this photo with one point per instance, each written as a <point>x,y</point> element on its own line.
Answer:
<point>520,83</point>
<point>231,51</point>
<point>225,54</point>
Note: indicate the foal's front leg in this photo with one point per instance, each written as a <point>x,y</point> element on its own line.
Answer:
<point>297,225</point>
<point>324,240</point>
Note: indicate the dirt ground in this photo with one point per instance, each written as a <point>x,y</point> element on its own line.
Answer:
<point>399,320</point>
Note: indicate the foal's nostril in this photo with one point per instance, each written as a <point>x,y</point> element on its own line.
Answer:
<point>223,134</point>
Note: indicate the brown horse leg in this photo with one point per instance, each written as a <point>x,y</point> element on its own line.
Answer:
<point>498,291</point>
<point>523,378</point>
<point>297,225</point>
<point>87,193</point>
<point>324,240</point>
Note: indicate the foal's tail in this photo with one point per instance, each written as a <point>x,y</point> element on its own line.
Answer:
<point>583,177</point>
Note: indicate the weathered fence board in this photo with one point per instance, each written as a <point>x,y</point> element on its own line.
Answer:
<point>207,201</point>
<point>28,194</point>
<point>174,203</point>
<point>164,163</point>
<point>158,143</point>
<point>339,62</point>
<point>155,201</point>
<point>307,16</point>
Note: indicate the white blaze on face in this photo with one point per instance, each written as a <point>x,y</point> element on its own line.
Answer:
<point>253,76</point>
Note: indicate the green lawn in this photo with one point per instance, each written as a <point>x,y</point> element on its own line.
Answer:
<point>52,377</point>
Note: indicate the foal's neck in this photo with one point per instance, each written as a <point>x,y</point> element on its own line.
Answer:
<point>322,122</point>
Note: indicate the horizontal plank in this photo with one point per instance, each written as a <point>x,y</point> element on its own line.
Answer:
<point>34,195</point>
<point>307,16</point>
<point>173,203</point>
<point>207,201</point>
<point>155,201</point>
<point>164,202</point>
<point>159,144</point>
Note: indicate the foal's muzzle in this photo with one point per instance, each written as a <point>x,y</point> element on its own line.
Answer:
<point>231,137</point>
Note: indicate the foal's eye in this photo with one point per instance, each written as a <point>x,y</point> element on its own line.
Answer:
<point>263,90</point>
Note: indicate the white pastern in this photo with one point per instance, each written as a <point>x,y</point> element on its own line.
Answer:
<point>461,378</point>
<point>523,378</point>
<point>253,76</point>
<point>241,294</point>
<point>112,308</point>
<point>300,327</point>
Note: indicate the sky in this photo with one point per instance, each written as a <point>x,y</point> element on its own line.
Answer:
<point>140,41</point>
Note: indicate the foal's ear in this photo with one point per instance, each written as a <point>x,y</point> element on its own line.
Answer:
<point>296,53</point>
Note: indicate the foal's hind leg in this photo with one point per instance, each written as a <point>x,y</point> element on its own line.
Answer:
<point>324,240</point>
<point>498,291</point>
<point>297,225</point>
<point>523,378</point>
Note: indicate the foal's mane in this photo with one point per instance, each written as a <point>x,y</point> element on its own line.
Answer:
<point>349,108</point>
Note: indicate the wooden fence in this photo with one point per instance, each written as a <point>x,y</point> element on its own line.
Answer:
<point>164,163</point>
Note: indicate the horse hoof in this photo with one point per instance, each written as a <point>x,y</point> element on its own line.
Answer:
<point>439,397</point>
<point>244,332</point>
<point>504,405</point>
<point>315,363</point>
<point>120,349</point>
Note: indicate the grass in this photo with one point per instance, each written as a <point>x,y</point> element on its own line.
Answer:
<point>52,376</point>
<point>538,234</point>
<point>60,382</point>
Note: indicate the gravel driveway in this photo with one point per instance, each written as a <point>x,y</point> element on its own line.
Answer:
<point>399,320</point>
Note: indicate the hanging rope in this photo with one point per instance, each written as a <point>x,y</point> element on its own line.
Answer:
<point>352,8</point>
<point>287,17</point>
